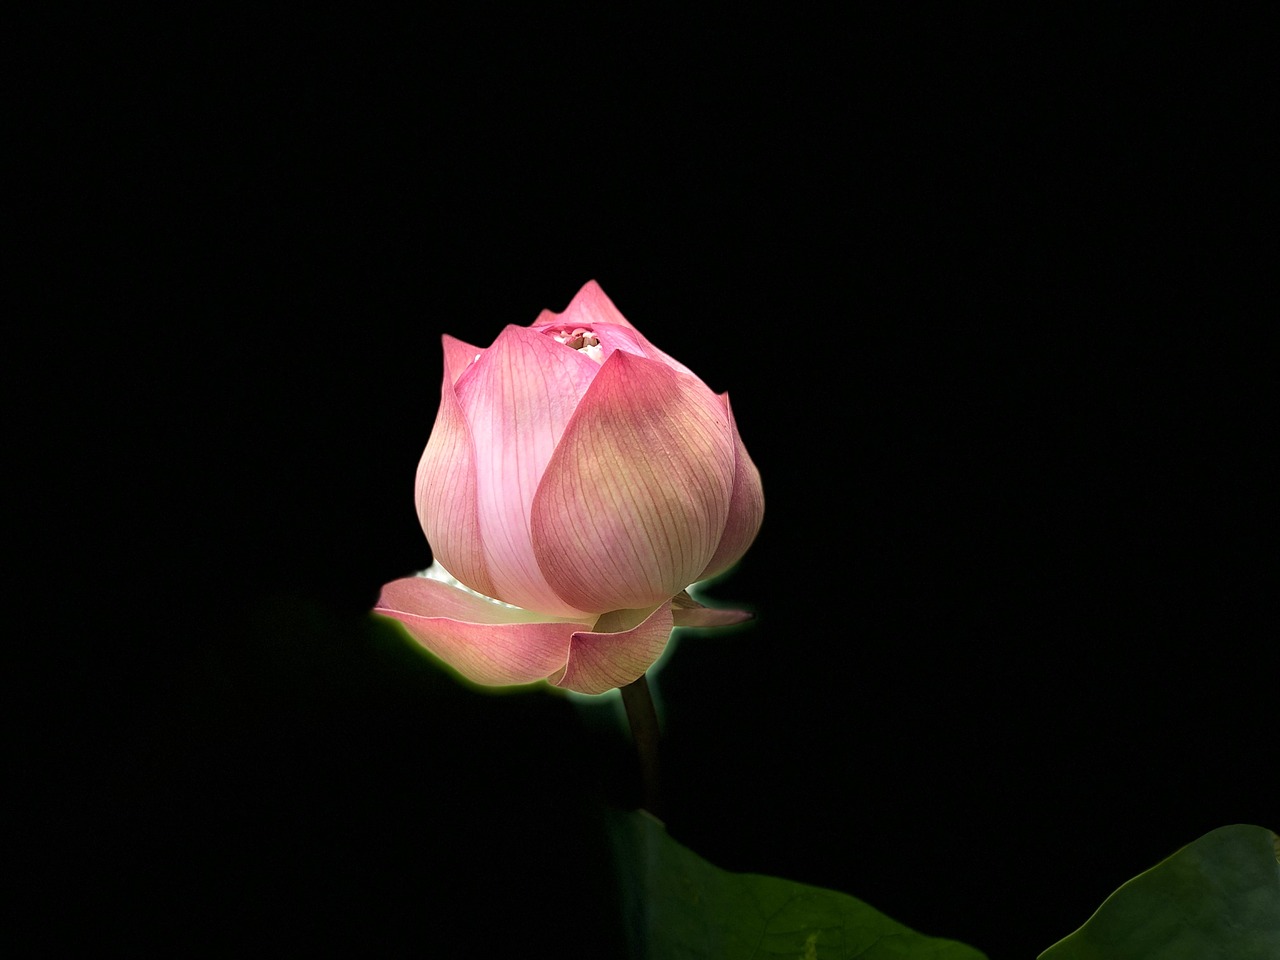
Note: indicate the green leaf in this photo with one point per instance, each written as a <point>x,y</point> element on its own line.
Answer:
<point>1215,899</point>
<point>676,906</point>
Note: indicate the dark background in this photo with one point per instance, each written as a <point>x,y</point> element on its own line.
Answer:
<point>985,293</point>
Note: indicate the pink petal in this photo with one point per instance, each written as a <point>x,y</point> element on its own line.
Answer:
<point>746,509</point>
<point>591,308</point>
<point>613,337</point>
<point>518,398</point>
<point>458,356</point>
<point>635,498</point>
<point>445,491</point>
<point>687,612</point>
<point>616,652</point>
<point>588,306</point>
<point>485,642</point>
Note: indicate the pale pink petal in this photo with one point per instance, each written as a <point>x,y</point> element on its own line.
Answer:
<point>635,498</point>
<point>746,509</point>
<point>616,652</point>
<point>485,642</point>
<point>613,337</point>
<point>592,309</point>
<point>517,399</point>
<point>588,306</point>
<point>687,612</point>
<point>445,491</point>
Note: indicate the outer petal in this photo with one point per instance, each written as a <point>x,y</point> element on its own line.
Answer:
<point>688,612</point>
<point>446,493</point>
<point>746,510</point>
<point>635,499</point>
<point>609,657</point>
<point>458,356</point>
<point>517,400</point>
<point>486,642</point>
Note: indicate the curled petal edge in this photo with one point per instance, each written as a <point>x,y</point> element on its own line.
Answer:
<point>488,643</point>
<point>495,644</point>
<point>617,652</point>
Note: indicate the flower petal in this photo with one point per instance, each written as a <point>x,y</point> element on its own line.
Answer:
<point>517,399</point>
<point>616,652</point>
<point>688,612</point>
<point>445,490</point>
<point>746,509</point>
<point>635,498</point>
<point>589,305</point>
<point>591,308</point>
<point>484,641</point>
<point>458,356</point>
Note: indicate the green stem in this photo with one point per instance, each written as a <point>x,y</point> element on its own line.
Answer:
<point>643,720</point>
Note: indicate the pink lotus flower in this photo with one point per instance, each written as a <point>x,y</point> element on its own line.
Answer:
<point>576,482</point>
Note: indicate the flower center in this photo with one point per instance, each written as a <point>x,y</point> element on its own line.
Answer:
<point>580,339</point>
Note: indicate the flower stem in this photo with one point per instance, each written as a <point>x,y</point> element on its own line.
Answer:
<point>643,720</point>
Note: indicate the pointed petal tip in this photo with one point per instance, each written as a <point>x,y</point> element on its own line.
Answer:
<point>688,612</point>
<point>703,619</point>
<point>458,355</point>
<point>589,305</point>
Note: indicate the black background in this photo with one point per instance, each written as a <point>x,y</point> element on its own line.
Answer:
<point>984,292</point>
